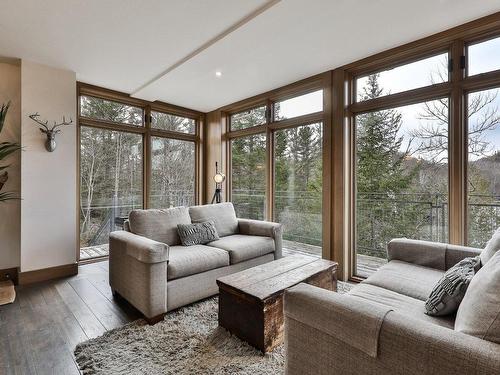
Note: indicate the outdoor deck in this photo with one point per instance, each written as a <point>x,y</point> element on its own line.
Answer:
<point>366,265</point>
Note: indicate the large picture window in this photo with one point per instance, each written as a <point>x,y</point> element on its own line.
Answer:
<point>275,155</point>
<point>401,178</point>
<point>131,157</point>
<point>248,176</point>
<point>483,178</point>
<point>424,165</point>
<point>110,182</point>
<point>298,185</point>
<point>172,173</point>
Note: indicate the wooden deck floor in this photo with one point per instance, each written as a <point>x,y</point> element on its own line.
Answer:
<point>366,265</point>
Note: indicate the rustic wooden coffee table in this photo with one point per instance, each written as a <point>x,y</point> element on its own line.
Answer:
<point>251,301</point>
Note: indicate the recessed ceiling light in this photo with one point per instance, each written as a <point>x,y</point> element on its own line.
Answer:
<point>218,73</point>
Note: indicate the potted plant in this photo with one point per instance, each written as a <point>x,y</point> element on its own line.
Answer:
<point>6,148</point>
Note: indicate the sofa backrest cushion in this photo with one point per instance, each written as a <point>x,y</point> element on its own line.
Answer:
<point>491,248</point>
<point>222,214</point>
<point>159,225</point>
<point>479,312</point>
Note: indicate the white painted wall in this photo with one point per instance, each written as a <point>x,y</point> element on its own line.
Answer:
<point>10,212</point>
<point>48,208</point>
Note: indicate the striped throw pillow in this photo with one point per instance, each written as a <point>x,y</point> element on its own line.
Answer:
<point>197,233</point>
<point>450,289</point>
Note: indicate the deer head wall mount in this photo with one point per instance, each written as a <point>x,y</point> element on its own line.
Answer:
<point>50,143</point>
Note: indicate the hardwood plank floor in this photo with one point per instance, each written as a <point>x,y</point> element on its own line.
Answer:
<point>39,331</point>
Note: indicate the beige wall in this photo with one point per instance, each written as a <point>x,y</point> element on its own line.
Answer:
<point>48,208</point>
<point>10,212</point>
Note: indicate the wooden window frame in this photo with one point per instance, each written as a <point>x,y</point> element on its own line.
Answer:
<point>315,83</point>
<point>147,132</point>
<point>456,89</point>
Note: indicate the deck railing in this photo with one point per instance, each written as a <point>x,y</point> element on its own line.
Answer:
<point>380,217</point>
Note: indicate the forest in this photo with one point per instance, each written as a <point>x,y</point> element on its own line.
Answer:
<point>111,167</point>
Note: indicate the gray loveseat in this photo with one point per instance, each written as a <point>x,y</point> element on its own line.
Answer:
<point>150,268</point>
<point>379,326</point>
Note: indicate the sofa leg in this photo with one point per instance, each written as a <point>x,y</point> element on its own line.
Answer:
<point>155,319</point>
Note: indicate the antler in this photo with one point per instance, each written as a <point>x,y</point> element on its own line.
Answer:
<point>64,122</point>
<point>45,124</point>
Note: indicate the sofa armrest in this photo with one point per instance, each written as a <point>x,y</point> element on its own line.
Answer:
<point>138,272</point>
<point>259,228</point>
<point>141,248</point>
<point>345,317</point>
<point>405,344</point>
<point>455,253</point>
<point>436,255</point>
<point>266,229</point>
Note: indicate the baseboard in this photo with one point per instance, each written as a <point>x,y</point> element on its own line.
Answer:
<point>9,274</point>
<point>45,274</point>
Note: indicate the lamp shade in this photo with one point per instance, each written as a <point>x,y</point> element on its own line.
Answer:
<point>219,178</point>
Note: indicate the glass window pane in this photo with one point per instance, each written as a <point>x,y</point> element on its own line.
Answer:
<point>166,121</point>
<point>248,176</point>
<point>484,57</point>
<point>299,106</point>
<point>298,178</point>
<point>417,74</point>
<point>248,119</point>
<point>401,179</point>
<point>102,109</point>
<point>172,173</point>
<point>483,171</point>
<point>110,185</point>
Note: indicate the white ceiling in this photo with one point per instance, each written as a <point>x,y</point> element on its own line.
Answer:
<point>170,50</point>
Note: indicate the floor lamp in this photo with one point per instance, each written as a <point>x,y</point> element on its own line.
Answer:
<point>219,178</point>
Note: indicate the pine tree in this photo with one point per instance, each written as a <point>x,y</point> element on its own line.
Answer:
<point>382,178</point>
<point>380,166</point>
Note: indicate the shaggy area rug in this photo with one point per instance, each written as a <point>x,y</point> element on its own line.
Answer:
<point>187,341</point>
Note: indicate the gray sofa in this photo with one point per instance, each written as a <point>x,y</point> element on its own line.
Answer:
<point>150,268</point>
<point>380,325</point>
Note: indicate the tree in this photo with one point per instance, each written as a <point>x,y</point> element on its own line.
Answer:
<point>380,160</point>
<point>432,140</point>
<point>384,176</point>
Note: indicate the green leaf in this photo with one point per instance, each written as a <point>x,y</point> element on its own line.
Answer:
<point>3,114</point>
<point>7,148</point>
<point>7,196</point>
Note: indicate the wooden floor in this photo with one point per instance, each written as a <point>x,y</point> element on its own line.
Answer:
<point>39,331</point>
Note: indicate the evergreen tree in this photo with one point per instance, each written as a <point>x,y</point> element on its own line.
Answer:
<point>383,177</point>
<point>380,166</point>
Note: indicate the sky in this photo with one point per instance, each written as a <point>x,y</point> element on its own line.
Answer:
<point>300,105</point>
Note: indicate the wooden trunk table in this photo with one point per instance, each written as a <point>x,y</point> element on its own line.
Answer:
<point>251,301</point>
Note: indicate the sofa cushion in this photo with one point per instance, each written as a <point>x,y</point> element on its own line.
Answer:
<point>406,278</point>
<point>243,247</point>
<point>159,225</point>
<point>189,260</point>
<point>491,248</point>
<point>222,214</point>
<point>398,302</point>
<point>479,312</point>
